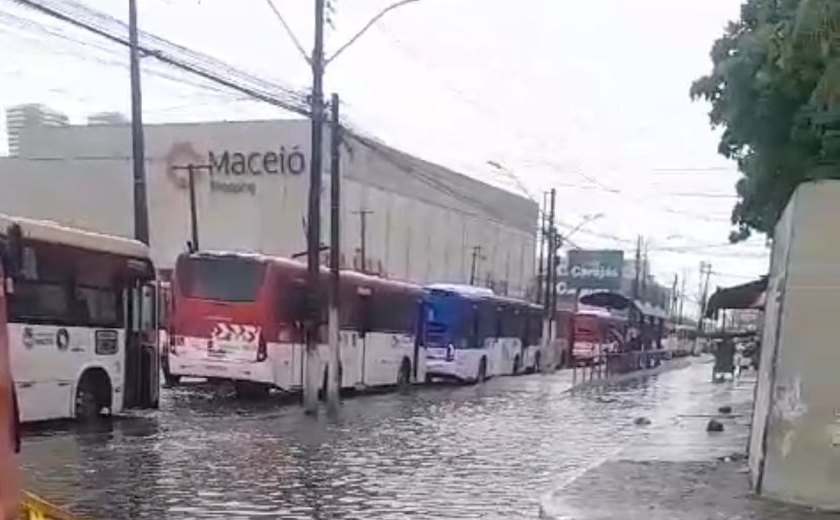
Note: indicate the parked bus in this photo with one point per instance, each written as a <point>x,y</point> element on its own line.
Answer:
<point>240,318</point>
<point>81,329</point>
<point>471,334</point>
<point>595,332</point>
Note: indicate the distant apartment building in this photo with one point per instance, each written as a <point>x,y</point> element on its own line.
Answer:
<point>107,118</point>
<point>20,117</point>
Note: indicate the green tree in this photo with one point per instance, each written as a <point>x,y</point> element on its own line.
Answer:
<point>775,90</point>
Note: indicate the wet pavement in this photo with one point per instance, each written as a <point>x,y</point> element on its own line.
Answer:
<point>490,451</point>
<point>674,468</point>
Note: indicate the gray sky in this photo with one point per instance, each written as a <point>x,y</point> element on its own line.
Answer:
<point>590,97</point>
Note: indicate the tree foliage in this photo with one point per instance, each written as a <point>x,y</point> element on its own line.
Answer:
<point>775,90</point>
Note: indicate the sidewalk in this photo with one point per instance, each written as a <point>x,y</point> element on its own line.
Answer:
<point>675,469</point>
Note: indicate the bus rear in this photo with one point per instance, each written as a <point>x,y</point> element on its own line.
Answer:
<point>221,317</point>
<point>587,338</point>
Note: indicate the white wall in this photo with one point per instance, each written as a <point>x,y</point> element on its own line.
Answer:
<point>424,224</point>
<point>797,414</point>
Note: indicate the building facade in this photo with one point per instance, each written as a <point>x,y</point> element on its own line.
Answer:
<point>421,222</point>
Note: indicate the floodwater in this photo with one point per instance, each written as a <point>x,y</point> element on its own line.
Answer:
<point>486,451</point>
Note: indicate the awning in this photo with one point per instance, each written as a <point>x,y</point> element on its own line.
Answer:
<point>607,300</point>
<point>619,302</point>
<point>650,310</point>
<point>745,296</point>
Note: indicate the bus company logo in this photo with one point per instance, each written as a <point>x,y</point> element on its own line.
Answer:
<point>62,339</point>
<point>180,155</point>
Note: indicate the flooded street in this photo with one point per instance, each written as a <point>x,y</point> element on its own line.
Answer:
<point>443,452</point>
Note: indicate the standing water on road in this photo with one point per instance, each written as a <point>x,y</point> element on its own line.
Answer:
<point>486,451</point>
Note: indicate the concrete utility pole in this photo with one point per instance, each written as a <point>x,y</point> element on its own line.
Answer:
<point>637,267</point>
<point>550,275</point>
<point>334,382</point>
<point>476,256</point>
<point>363,213</point>
<point>138,147</point>
<point>312,361</point>
<point>674,296</point>
<point>191,171</point>
<point>705,273</point>
<point>542,253</point>
<point>682,299</point>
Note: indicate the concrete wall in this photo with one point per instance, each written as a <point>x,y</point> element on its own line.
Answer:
<point>424,224</point>
<point>798,399</point>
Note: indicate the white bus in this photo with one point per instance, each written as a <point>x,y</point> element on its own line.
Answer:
<point>470,334</point>
<point>239,318</point>
<point>81,327</point>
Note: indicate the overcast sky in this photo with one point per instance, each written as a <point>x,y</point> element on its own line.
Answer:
<point>590,97</point>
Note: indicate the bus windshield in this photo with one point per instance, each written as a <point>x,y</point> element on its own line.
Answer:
<point>221,279</point>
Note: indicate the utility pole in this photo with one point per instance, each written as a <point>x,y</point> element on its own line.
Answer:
<point>542,253</point>
<point>674,297</point>
<point>476,256</point>
<point>363,213</point>
<point>550,275</point>
<point>334,382</point>
<point>705,273</point>
<point>138,147</point>
<point>682,298</point>
<point>637,267</point>
<point>191,171</point>
<point>313,365</point>
<point>551,247</point>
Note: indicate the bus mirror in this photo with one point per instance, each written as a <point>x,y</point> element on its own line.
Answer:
<point>13,254</point>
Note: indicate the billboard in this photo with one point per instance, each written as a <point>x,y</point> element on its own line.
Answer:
<point>595,269</point>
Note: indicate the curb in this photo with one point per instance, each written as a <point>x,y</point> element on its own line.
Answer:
<point>668,366</point>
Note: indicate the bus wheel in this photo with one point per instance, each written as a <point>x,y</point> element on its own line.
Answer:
<point>404,375</point>
<point>482,371</point>
<point>516,364</point>
<point>92,395</point>
<point>169,379</point>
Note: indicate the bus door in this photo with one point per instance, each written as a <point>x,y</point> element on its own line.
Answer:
<point>142,359</point>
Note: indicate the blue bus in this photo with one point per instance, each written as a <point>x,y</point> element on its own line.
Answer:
<point>470,334</point>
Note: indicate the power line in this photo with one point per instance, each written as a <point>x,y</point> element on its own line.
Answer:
<point>288,30</point>
<point>172,54</point>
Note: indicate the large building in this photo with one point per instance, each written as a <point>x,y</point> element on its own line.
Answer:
<point>422,222</point>
<point>20,117</point>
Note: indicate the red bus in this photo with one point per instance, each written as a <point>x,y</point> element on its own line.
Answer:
<point>239,317</point>
<point>595,333</point>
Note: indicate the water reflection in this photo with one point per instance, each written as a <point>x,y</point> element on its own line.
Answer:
<point>442,452</point>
